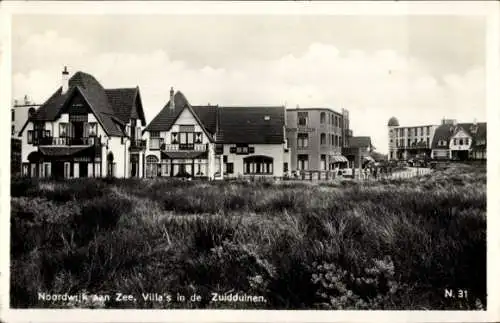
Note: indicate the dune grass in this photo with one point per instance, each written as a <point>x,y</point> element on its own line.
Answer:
<point>391,244</point>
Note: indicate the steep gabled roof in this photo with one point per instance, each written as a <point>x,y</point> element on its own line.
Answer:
<point>446,132</point>
<point>96,96</point>
<point>124,102</point>
<point>252,125</point>
<point>256,125</point>
<point>166,118</point>
<point>360,142</point>
<point>208,116</point>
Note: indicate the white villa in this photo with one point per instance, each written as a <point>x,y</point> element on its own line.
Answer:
<point>216,142</point>
<point>84,130</point>
<point>460,141</point>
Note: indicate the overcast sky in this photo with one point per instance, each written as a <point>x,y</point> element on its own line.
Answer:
<point>419,68</point>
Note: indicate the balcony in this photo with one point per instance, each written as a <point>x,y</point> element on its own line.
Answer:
<point>67,141</point>
<point>184,147</point>
<point>137,144</point>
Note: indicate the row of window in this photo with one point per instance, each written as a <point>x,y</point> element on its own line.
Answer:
<point>303,140</point>
<point>324,118</point>
<point>333,119</point>
<point>417,131</point>
<point>69,129</point>
<point>442,142</point>
<point>156,141</point>
<point>460,141</point>
<point>410,142</point>
<point>155,168</point>
<point>69,170</point>
<point>303,162</point>
<point>198,167</point>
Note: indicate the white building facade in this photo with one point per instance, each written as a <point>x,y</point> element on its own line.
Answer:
<point>215,142</point>
<point>409,142</point>
<point>84,130</point>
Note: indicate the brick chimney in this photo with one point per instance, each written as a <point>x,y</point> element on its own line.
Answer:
<point>172,101</point>
<point>65,80</point>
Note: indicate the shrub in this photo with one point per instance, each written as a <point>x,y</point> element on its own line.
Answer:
<point>371,288</point>
<point>99,214</point>
<point>300,245</point>
<point>19,186</point>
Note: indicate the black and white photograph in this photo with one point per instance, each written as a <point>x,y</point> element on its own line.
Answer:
<point>183,159</point>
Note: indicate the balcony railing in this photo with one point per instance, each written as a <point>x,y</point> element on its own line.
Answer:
<point>138,144</point>
<point>67,141</point>
<point>184,147</point>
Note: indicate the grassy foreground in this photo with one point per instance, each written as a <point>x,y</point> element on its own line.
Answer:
<point>346,245</point>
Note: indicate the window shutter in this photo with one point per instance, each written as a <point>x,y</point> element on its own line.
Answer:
<point>85,130</point>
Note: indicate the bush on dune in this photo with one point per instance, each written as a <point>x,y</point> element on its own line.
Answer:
<point>392,244</point>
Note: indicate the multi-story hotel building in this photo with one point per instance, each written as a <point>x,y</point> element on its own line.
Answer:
<point>316,137</point>
<point>409,142</point>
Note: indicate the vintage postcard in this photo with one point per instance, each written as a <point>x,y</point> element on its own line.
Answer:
<point>230,161</point>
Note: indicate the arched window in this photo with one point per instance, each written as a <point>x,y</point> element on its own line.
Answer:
<point>258,165</point>
<point>152,163</point>
<point>322,117</point>
<point>322,139</point>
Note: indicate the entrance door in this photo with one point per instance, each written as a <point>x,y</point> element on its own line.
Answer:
<point>78,139</point>
<point>462,154</point>
<point>134,170</point>
<point>84,169</point>
<point>58,169</point>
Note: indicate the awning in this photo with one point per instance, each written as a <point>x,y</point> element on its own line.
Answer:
<point>369,158</point>
<point>338,159</point>
<point>183,154</point>
<point>62,151</point>
<point>34,157</point>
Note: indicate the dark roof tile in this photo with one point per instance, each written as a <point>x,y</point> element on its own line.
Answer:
<point>446,131</point>
<point>253,125</point>
<point>232,124</point>
<point>110,110</point>
<point>167,116</point>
